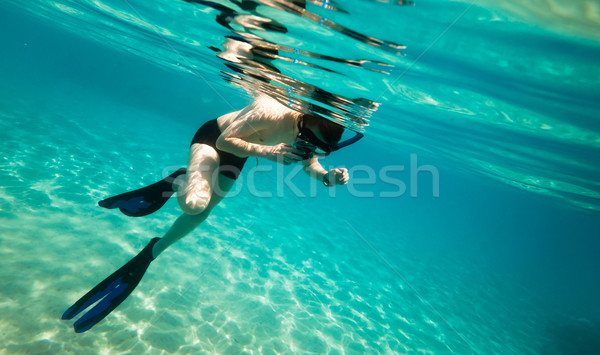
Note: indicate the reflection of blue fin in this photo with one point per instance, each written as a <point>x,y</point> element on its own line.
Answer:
<point>146,200</point>
<point>110,292</point>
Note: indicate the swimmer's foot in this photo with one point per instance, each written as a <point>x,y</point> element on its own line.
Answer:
<point>111,292</point>
<point>146,200</point>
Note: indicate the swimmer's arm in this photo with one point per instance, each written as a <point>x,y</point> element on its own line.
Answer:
<point>338,176</point>
<point>232,140</point>
<point>313,168</point>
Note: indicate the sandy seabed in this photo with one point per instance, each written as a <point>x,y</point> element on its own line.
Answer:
<point>245,281</point>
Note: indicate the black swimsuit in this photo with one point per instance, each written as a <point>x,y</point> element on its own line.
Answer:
<point>230,165</point>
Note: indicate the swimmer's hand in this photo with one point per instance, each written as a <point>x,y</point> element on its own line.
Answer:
<point>337,176</point>
<point>283,153</point>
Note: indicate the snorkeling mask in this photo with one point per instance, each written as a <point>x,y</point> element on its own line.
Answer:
<point>308,143</point>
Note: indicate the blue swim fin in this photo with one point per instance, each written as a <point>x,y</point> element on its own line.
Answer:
<point>111,292</point>
<point>144,201</point>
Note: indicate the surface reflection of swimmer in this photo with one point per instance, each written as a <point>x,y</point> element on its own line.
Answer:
<point>247,48</point>
<point>257,21</point>
<point>253,59</point>
<point>265,129</point>
<point>228,16</point>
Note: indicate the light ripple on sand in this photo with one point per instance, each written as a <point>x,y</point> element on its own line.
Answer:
<point>227,288</point>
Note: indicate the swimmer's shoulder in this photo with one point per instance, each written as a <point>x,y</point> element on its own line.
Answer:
<point>273,110</point>
<point>225,120</point>
<point>263,108</point>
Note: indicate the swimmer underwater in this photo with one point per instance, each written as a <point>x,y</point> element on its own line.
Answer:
<point>218,152</point>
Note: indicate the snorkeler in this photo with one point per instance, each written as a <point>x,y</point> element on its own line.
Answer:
<point>218,152</point>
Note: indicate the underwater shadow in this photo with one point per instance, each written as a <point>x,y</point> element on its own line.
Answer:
<point>577,337</point>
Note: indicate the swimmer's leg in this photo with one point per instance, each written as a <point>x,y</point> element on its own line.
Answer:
<point>194,189</point>
<point>111,292</point>
<point>187,222</point>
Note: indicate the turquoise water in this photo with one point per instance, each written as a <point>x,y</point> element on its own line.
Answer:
<point>100,97</point>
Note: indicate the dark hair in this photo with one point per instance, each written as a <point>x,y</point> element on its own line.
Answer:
<point>332,132</point>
